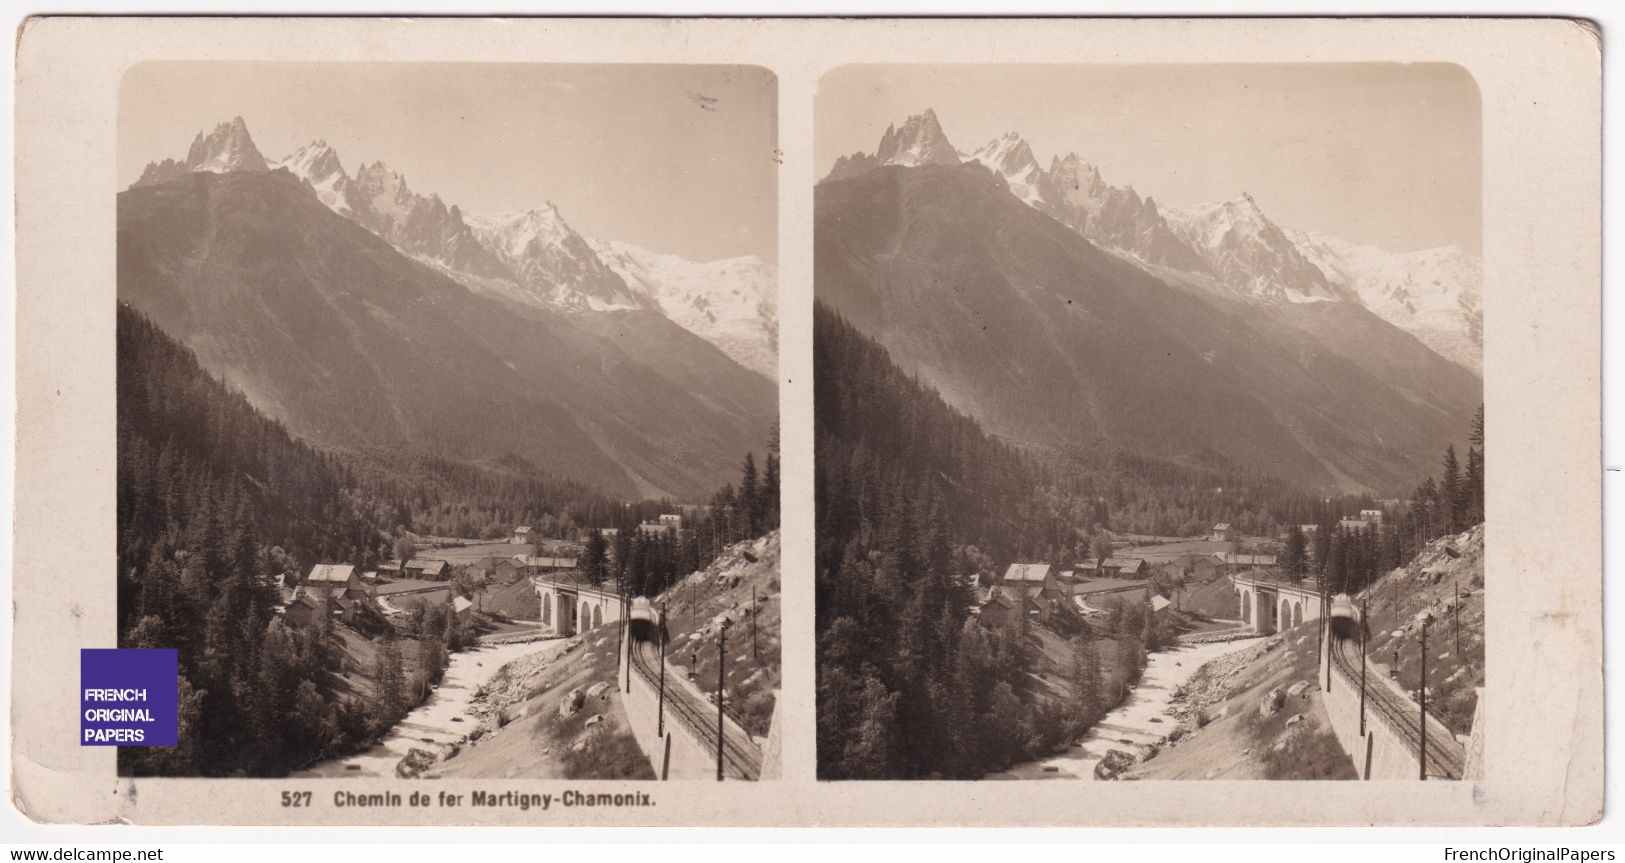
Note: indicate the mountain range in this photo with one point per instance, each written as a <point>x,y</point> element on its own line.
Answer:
<point>363,314</point>
<point>1230,247</point>
<point>1061,312</point>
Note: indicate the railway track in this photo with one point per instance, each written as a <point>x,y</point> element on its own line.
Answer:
<point>741,758</point>
<point>1445,756</point>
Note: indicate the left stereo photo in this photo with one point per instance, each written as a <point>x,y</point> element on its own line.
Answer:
<point>447,417</point>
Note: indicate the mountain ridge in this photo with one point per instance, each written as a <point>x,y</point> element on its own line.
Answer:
<point>326,326</point>
<point>1231,243</point>
<point>532,256</point>
<point>1047,339</point>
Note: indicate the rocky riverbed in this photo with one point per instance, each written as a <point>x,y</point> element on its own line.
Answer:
<point>441,720</point>
<point>1144,719</point>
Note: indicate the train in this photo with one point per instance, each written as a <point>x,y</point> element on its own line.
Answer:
<point>1344,617</point>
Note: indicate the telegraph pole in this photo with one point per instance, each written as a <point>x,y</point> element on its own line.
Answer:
<point>1422,697</point>
<point>661,721</point>
<point>1455,617</point>
<point>722,676</point>
<point>753,623</point>
<point>1364,608</point>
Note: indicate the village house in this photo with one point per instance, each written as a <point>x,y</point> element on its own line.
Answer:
<point>1036,582</point>
<point>521,535</point>
<point>609,532</point>
<point>462,607</point>
<point>302,611</point>
<point>671,520</point>
<point>1224,531</point>
<point>1354,524</point>
<point>1034,579</point>
<point>1003,607</point>
<point>1114,567</point>
<point>327,580</point>
<point>1371,515</point>
<point>535,564</point>
<point>995,610</point>
<point>1231,562</point>
<point>428,569</point>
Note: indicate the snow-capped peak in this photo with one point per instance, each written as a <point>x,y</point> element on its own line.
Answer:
<point>228,148</point>
<point>551,261</point>
<point>510,233</point>
<point>731,303</point>
<point>1010,157</point>
<point>318,164</point>
<point>1434,294</point>
<point>1250,253</point>
<point>921,141</point>
<point>314,161</point>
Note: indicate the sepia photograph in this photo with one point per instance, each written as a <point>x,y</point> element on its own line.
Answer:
<point>474,422</point>
<point>1150,430</point>
<point>447,417</point>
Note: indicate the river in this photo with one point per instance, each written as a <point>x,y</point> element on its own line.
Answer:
<point>1141,719</point>
<point>441,719</point>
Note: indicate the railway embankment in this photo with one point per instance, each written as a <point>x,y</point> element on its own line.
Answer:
<point>1256,713</point>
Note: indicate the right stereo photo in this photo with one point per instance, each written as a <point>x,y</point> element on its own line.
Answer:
<point>1150,436</point>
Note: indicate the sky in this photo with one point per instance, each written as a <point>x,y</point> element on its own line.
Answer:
<point>677,159</point>
<point>1384,154</point>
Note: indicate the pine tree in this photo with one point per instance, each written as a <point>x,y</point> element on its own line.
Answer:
<point>594,562</point>
<point>749,495</point>
<point>1295,553</point>
<point>1451,492</point>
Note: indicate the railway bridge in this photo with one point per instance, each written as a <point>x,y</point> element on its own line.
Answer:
<point>568,607</point>
<point>1268,603</point>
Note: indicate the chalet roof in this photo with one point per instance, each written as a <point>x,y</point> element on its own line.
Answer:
<point>1027,572</point>
<point>1234,559</point>
<point>329,573</point>
<point>304,599</point>
<point>427,564</point>
<point>1159,602</point>
<point>458,603</point>
<point>1223,525</point>
<point>546,562</point>
<point>524,528</point>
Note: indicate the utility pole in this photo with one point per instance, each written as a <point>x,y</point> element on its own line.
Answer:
<point>1364,607</point>
<point>722,677</point>
<point>753,622</point>
<point>1455,617</point>
<point>1422,697</point>
<point>626,611</point>
<point>1325,612</point>
<point>661,721</point>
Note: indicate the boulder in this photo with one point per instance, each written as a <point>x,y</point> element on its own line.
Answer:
<point>599,689</point>
<point>1294,720</point>
<point>1271,703</point>
<point>570,704</point>
<point>1300,689</point>
<point>1113,764</point>
<point>599,717</point>
<point>415,762</point>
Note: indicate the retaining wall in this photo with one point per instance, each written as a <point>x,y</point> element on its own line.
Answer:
<point>674,754</point>
<point>1380,753</point>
